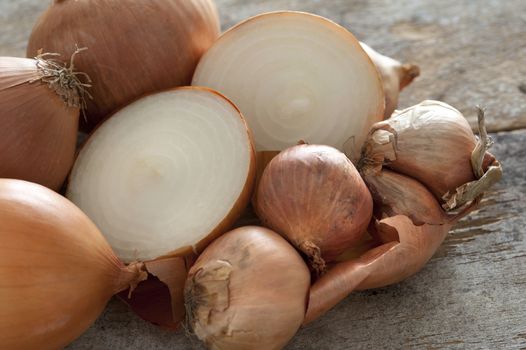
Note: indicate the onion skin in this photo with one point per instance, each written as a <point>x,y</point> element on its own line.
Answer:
<point>160,51</point>
<point>38,132</point>
<point>409,226</point>
<point>314,197</point>
<point>395,77</point>
<point>57,272</point>
<point>248,290</point>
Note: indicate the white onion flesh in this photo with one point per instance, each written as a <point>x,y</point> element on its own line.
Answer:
<point>163,172</point>
<point>295,76</point>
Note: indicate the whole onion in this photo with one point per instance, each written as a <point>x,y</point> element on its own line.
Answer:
<point>315,197</point>
<point>134,46</point>
<point>39,115</point>
<point>57,272</point>
<point>248,290</point>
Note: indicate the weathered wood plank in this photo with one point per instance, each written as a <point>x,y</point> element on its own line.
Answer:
<point>473,293</point>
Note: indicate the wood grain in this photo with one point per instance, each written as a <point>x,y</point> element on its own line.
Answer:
<point>472,295</point>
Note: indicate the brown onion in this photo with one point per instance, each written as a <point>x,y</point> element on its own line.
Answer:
<point>135,46</point>
<point>57,271</point>
<point>39,115</point>
<point>314,196</point>
<point>433,143</point>
<point>395,77</point>
<point>248,290</point>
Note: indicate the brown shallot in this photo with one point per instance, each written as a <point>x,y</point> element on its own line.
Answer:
<point>433,143</point>
<point>248,290</point>
<point>315,197</point>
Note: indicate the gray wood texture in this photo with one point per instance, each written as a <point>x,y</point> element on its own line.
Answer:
<point>472,294</point>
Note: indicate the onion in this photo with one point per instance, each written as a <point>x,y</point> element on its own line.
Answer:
<point>164,176</point>
<point>296,76</point>
<point>39,112</point>
<point>315,197</point>
<point>433,143</point>
<point>248,290</point>
<point>135,46</point>
<point>395,77</point>
<point>57,272</point>
<point>409,226</point>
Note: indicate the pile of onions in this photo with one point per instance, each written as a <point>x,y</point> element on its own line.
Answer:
<point>315,197</point>
<point>57,271</point>
<point>395,77</point>
<point>39,115</point>
<point>296,76</point>
<point>248,290</point>
<point>163,177</point>
<point>135,46</point>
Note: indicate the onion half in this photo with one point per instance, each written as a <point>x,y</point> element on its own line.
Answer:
<point>57,272</point>
<point>135,46</point>
<point>38,120</point>
<point>248,290</point>
<point>296,76</point>
<point>163,177</point>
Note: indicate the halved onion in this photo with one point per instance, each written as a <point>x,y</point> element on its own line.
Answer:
<point>166,174</point>
<point>296,76</point>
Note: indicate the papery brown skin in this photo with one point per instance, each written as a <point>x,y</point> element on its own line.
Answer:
<point>135,47</point>
<point>431,142</point>
<point>38,132</point>
<point>409,226</point>
<point>314,196</point>
<point>57,272</point>
<point>395,77</point>
<point>248,290</point>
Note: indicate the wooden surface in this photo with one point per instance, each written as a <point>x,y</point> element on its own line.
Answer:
<point>472,295</point>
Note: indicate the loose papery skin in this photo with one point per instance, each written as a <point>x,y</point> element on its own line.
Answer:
<point>296,76</point>
<point>162,178</point>
<point>409,225</point>
<point>38,128</point>
<point>135,47</point>
<point>248,290</point>
<point>395,77</point>
<point>57,272</point>
<point>314,196</point>
<point>431,142</point>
